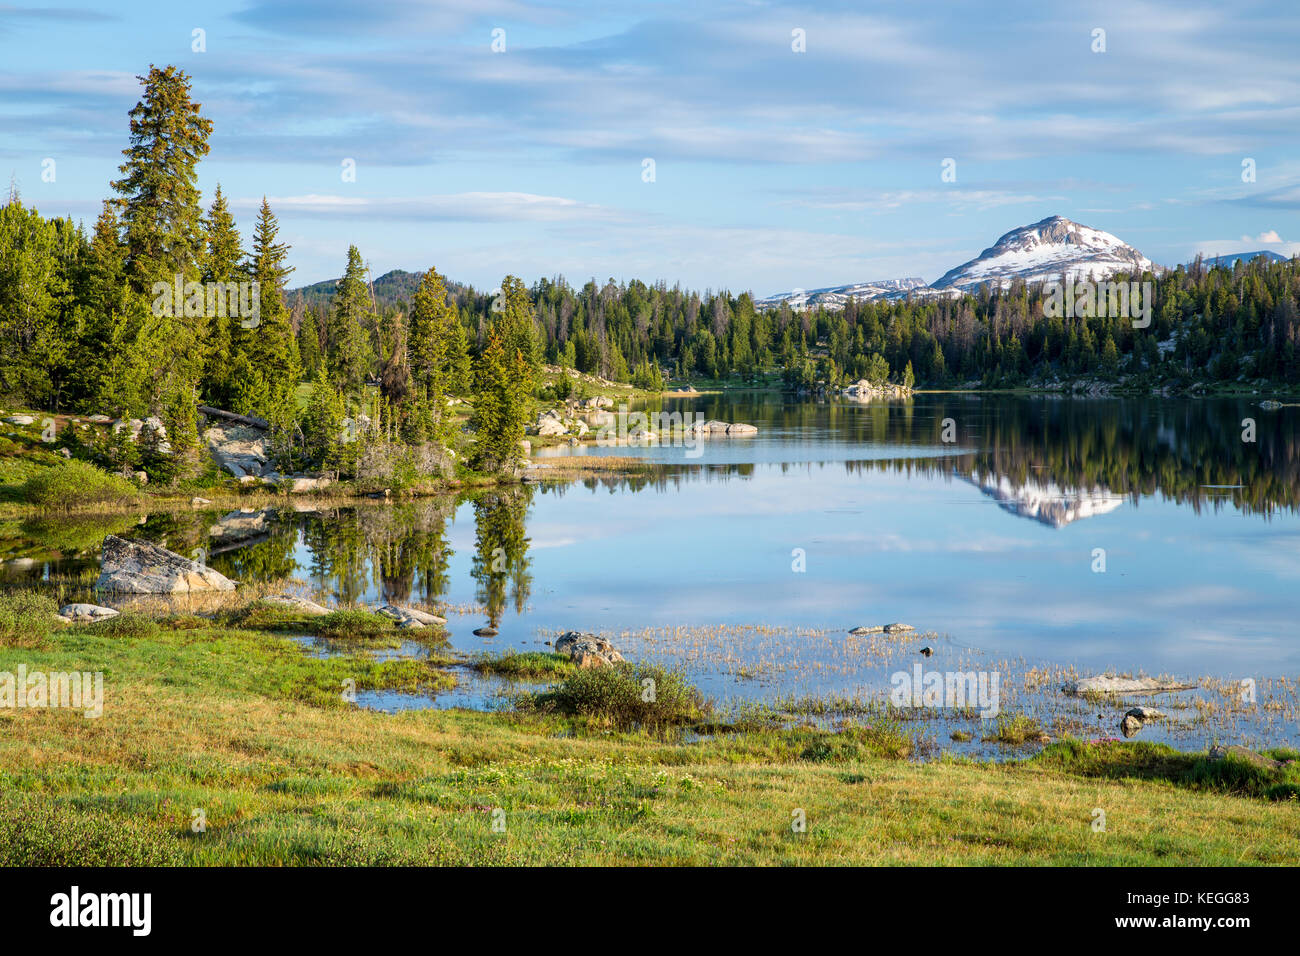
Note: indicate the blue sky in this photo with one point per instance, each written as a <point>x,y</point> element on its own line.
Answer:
<point>774,169</point>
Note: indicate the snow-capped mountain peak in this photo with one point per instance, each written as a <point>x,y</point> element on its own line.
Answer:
<point>1052,249</point>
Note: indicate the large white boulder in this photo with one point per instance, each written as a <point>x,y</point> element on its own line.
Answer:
<point>138,567</point>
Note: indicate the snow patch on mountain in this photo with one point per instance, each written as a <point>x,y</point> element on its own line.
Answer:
<point>835,297</point>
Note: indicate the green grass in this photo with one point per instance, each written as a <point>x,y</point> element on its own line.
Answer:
<point>40,832</point>
<point>126,624</point>
<point>1149,761</point>
<point>353,625</point>
<point>529,665</point>
<point>261,615</point>
<point>27,618</point>
<point>242,724</point>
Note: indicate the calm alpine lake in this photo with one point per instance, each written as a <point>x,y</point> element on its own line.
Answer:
<point>1048,536</point>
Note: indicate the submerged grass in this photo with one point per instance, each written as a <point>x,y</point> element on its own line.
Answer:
<point>1015,730</point>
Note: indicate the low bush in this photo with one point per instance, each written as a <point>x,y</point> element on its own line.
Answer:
<point>626,696</point>
<point>77,484</point>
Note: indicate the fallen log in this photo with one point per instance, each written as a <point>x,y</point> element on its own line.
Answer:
<point>231,416</point>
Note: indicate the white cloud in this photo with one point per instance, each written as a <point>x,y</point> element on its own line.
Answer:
<point>463,207</point>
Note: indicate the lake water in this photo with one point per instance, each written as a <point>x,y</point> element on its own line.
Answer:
<point>1049,535</point>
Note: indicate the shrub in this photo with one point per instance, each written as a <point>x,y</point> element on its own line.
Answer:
<point>26,618</point>
<point>616,696</point>
<point>76,484</point>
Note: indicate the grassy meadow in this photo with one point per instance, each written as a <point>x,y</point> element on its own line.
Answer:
<point>230,718</point>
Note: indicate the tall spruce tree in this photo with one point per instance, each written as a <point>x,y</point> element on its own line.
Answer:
<point>159,196</point>
<point>432,350</point>
<point>502,384</point>
<point>269,345</point>
<point>223,262</point>
<point>35,261</point>
<point>513,318</point>
<point>348,358</point>
<point>161,220</point>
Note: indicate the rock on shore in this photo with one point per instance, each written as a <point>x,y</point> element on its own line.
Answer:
<point>409,617</point>
<point>138,567</point>
<point>295,603</point>
<point>86,612</point>
<point>1110,684</point>
<point>587,650</point>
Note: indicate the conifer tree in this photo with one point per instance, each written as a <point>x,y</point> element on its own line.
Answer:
<point>269,345</point>
<point>33,283</point>
<point>161,220</point>
<point>309,353</point>
<point>222,263</point>
<point>513,318</point>
<point>322,424</point>
<point>348,357</point>
<point>437,339</point>
<point>502,384</point>
<point>159,198</point>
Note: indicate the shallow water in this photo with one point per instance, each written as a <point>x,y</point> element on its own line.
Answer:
<point>744,561</point>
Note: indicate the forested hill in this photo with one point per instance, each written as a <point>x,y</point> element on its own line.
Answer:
<point>393,288</point>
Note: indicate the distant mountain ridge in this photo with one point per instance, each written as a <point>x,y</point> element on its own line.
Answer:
<point>835,296</point>
<point>395,287</point>
<point>1232,258</point>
